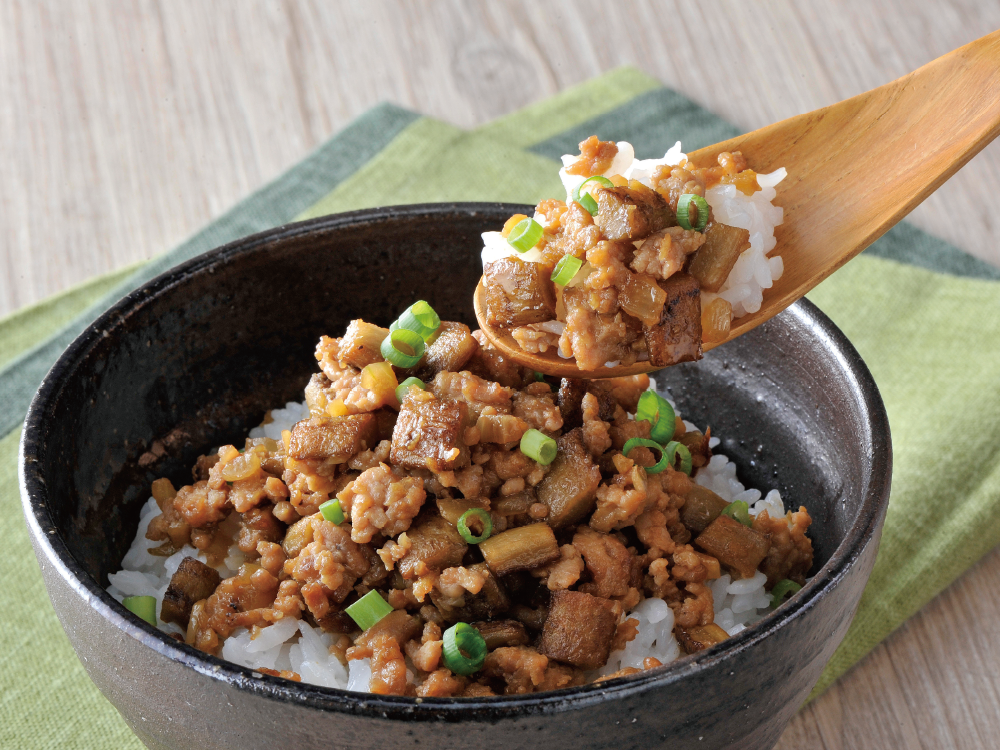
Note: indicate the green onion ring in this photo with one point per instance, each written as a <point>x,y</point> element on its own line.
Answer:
<point>566,269</point>
<point>589,204</point>
<point>142,606</point>
<point>405,337</point>
<point>403,388</point>
<point>525,235</point>
<point>538,446</point>
<point>659,413</point>
<point>684,211</point>
<point>675,449</point>
<point>598,179</point>
<point>419,317</point>
<point>782,589</point>
<point>464,649</point>
<point>463,525</point>
<point>332,511</point>
<point>738,510</point>
<point>369,609</point>
<point>647,443</point>
<point>539,376</point>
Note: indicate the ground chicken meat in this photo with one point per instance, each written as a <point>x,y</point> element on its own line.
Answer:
<point>388,667</point>
<point>539,411</point>
<point>382,500</point>
<point>607,561</point>
<point>596,435</point>
<point>473,390</point>
<point>595,157</point>
<point>696,608</point>
<point>535,338</point>
<point>564,572</point>
<point>620,502</point>
<point>791,553</point>
<point>521,668</point>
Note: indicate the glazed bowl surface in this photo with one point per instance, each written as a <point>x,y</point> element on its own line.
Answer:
<point>194,359</point>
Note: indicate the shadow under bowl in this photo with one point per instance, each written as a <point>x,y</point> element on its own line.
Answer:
<point>194,359</point>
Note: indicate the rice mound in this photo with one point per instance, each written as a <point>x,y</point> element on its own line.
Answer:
<point>295,645</point>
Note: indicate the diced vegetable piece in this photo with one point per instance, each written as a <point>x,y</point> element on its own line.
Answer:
<point>502,633</point>
<point>701,507</point>
<point>711,565</point>
<point>332,511</point>
<point>579,629</point>
<point>490,602</point>
<point>518,293</point>
<point>163,491</point>
<point>677,335</point>
<point>570,400</point>
<point>244,466</point>
<point>142,606</point>
<point>783,588</point>
<point>570,487</point>
<point>335,439</point>
<point>629,213</point>
<point>192,582</point>
<point>512,222</point>
<point>700,637</point>
<point>523,548</point>
<point>369,610</point>
<point>501,428</point>
<point>566,269</point>
<point>380,379</point>
<point>642,298</point>
<point>396,623</point>
<point>435,545</point>
<point>738,511</point>
<point>449,352</point>
<point>361,344</point>
<point>513,505</point>
<point>428,433</point>
<point>739,548</point>
<point>715,259</point>
<point>299,534</point>
<point>716,318</point>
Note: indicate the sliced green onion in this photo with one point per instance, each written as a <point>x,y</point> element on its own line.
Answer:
<point>738,511</point>
<point>659,413</point>
<point>403,388</point>
<point>782,589</point>
<point>538,446</point>
<point>142,606</point>
<point>684,212</point>
<point>464,649</point>
<point>419,317</point>
<point>675,450</point>
<point>647,443</point>
<point>525,235</point>
<point>332,511</point>
<point>539,376</point>
<point>403,347</point>
<point>566,269</point>
<point>584,198</point>
<point>463,525</point>
<point>369,609</point>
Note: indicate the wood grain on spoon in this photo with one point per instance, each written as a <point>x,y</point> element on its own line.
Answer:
<point>854,170</point>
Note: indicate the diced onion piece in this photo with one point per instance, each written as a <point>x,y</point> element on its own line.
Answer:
<point>782,589</point>
<point>675,450</point>
<point>566,269</point>
<point>243,466</point>
<point>716,318</point>
<point>369,609</point>
<point>500,428</point>
<point>464,649</point>
<point>684,212</point>
<point>525,235</point>
<point>337,408</point>
<point>403,348</point>
<point>404,387</point>
<point>484,519</point>
<point>659,413</point>
<point>641,297</point>
<point>538,446</point>
<point>142,606</point>
<point>379,377</point>
<point>420,318</point>
<point>332,511</point>
<point>647,443</point>
<point>738,511</point>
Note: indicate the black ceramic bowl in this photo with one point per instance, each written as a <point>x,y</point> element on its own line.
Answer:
<point>195,357</point>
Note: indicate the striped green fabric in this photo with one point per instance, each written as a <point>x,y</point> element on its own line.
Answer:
<point>911,304</point>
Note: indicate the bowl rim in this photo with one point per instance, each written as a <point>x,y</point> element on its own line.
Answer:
<point>34,496</point>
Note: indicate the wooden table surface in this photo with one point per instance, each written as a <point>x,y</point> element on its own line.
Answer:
<point>126,126</point>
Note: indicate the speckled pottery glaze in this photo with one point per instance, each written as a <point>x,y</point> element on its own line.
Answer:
<point>196,357</point>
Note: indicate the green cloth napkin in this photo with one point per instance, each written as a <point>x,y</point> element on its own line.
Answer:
<point>912,305</point>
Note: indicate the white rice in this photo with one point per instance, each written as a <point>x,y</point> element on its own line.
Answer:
<point>294,645</point>
<point>754,271</point>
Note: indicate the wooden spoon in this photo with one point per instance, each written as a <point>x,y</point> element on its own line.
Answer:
<point>854,170</point>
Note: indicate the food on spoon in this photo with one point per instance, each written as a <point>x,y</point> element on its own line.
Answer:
<point>456,536</point>
<point>645,260</point>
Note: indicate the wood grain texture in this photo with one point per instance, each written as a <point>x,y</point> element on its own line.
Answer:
<point>125,127</point>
